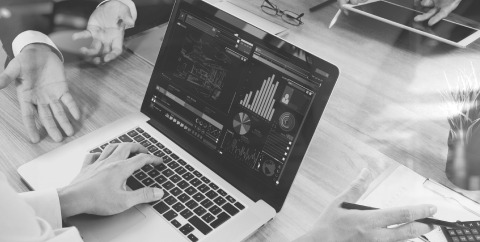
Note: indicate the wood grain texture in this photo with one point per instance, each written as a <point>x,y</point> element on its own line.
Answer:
<point>384,109</point>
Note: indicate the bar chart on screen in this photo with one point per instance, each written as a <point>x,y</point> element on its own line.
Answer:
<point>261,102</point>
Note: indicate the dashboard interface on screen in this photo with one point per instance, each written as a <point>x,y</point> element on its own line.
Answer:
<point>245,101</point>
<point>443,29</point>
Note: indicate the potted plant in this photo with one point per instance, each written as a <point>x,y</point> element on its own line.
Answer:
<point>462,106</point>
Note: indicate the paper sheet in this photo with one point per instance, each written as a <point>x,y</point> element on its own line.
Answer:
<point>405,187</point>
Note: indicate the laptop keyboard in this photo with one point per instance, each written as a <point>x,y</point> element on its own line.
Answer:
<point>192,203</point>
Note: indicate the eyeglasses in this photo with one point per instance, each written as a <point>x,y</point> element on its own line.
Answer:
<point>287,16</point>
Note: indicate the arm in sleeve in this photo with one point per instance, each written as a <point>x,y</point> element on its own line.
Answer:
<point>20,223</point>
<point>46,205</point>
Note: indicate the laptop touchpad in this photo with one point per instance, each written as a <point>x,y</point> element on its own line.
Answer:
<point>106,228</point>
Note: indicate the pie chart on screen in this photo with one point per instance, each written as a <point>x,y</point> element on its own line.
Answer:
<point>241,123</point>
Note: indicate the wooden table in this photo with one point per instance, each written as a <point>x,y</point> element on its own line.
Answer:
<point>386,108</point>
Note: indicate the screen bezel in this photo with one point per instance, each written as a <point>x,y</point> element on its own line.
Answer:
<point>239,178</point>
<point>462,44</point>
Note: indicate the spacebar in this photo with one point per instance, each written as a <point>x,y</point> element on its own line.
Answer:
<point>200,225</point>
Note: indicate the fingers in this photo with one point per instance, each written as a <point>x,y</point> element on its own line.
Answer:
<point>117,48</point>
<point>82,35</point>
<point>426,15</point>
<point>342,2</point>
<point>10,73</point>
<point>356,189</point>
<point>47,120</point>
<point>125,149</point>
<point>407,231</point>
<point>90,159</point>
<point>61,117</point>
<point>94,48</point>
<point>108,151</point>
<point>443,13</point>
<point>70,103</point>
<point>145,195</point>
<point>392,216</point>
<point>107,48</point>
<point>427,3</point>
<point>28,117</point>
<point>139,161</point>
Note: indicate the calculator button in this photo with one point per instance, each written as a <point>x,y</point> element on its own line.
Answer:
<point>463,238</point>
<point>477,237</point>
<point>470,238</point>
<point>455,239</point>
<point>459,232</point>
<point>474,231</point>
<point>451,232</point>
<point>467,231</point>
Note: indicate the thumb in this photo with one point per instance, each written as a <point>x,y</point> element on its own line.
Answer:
<point>10,73</point>
<point>146,195</point>
<point>128,20</point>
<point>357,188</point>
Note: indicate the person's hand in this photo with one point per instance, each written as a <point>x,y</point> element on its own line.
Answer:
<point>354,2</point>
<point>107,27</point>
<point>40,80</point>
<point>439,9</point>
<point>342,225</point>
<point>99,188</point>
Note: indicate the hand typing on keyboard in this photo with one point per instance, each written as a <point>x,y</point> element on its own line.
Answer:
<point>342,225</point>
<point>99,188</point>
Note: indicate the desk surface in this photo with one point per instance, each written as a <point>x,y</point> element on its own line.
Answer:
<point>386,108</point>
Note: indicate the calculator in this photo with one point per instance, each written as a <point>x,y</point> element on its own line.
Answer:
<point>463,235</point>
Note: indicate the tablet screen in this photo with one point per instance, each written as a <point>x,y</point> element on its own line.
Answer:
<point>443,29</point>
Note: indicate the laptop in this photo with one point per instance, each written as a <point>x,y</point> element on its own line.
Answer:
<point>231,109</point>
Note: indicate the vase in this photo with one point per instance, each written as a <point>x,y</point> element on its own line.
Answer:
<point>463,160</point>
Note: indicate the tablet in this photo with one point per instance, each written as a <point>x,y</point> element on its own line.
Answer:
<point>445,31</point>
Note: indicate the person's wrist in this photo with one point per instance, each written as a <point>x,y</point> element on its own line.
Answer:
<point>70,204</point>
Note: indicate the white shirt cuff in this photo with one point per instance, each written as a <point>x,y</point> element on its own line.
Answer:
<point>131,6</point>
<point>32,37</point>
<point>46,205</point>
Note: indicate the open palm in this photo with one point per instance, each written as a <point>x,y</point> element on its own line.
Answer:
<point>107,27</point>
<point>40,79</point>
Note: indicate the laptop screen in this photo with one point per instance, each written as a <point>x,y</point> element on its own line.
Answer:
<point>245,101</point>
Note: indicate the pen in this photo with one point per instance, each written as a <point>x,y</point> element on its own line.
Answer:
<point>334,20</point>
<point>346,205</point>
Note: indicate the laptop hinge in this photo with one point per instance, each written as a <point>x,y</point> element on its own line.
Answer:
<point>195,152</point>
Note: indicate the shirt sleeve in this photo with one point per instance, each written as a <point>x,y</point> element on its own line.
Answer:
<point>46,205</point>
<point>131,6</point>
<point>33,37</point>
